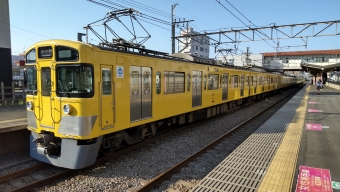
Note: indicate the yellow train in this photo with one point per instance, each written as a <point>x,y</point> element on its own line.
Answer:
<point>84,99</point>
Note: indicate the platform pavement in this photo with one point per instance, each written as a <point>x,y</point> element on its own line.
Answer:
<point>13,118</point>
<point>269,160</point>
<point>322,148</point>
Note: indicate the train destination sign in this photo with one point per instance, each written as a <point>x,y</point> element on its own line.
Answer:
<point>313,179</point>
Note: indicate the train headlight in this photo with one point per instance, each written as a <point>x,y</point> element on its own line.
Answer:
<point>29,105</point>
<point>67,109</point>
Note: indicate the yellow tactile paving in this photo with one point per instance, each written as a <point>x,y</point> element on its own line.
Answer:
<point>279,177</point>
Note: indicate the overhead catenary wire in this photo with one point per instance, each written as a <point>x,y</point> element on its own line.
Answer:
<point>141,16</point>
<point>243,22</point>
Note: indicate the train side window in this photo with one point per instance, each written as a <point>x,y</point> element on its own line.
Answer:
<point>247,80</point>
<point>158,82</point>
<point>188,81</point>
<point>235,80</point>
<point>251,80</point>
<point>45,81</point>
<point>212,81</point>
<point>179,82</point>
<point>174,82</point>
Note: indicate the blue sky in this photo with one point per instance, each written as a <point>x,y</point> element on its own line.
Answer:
<point>33,21</point>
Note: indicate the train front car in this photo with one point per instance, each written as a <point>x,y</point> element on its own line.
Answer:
<point>60,80</point>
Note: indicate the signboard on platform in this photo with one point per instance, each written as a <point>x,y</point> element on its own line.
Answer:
<point>314,110</point>
<point>313,127</point>
<point>313,179</point>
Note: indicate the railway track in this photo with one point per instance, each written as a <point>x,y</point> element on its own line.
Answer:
<point>41,180</point>
<point>147,185</point>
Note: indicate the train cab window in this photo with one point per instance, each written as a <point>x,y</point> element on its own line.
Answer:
<point>66,54</point>
<point>45,81</point>
<point>188,82</point>
<point>31,73</point>
<point>158,82</point>
<point>31,56</point>
<point>212,81</point>
<point>45,52</point>
<point>76,81</point>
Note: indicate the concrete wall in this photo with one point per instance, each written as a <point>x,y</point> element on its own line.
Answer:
<point>14,141</point>
<point>335,86</point>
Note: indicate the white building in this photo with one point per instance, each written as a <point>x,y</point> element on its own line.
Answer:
<point>241,60</point>
<point>196,46</point>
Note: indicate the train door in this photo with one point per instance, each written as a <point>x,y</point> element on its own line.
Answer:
<point>140,93</point>
<point>196,88</point>
<point>242,86</point>
<point>263,81</point>
<point>275,82</point>
<point>225,86</point>
<point>255,83</point>
<point>107,97</point>
<point>48,116</point>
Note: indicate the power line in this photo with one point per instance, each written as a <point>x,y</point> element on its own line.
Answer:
<point>25,30</point>
<point>244,23</point>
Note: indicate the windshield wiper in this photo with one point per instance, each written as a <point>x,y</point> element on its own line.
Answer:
<point>62,89</point>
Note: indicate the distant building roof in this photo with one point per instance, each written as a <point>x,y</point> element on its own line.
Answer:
<point>298,53</point>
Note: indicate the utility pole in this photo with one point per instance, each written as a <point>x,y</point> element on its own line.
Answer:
<point>247,56</point>
<point>173,28</point>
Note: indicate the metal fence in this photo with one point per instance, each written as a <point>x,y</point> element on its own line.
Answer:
<point>12,95</point>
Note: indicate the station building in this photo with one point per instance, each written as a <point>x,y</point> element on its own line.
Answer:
<point>324,64</point>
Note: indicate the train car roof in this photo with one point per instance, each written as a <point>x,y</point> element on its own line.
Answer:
<point>141,51</point>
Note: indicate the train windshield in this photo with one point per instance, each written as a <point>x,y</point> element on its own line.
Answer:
<point>75,81</point>
<point>31,73</point>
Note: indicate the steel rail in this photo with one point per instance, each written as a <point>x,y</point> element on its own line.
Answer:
<point>23,172</point>
<point>68,172</point>
<point>163,176</point>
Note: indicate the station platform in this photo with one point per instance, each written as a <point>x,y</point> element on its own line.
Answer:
<point>297,149</point>
<point>13,118</point>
